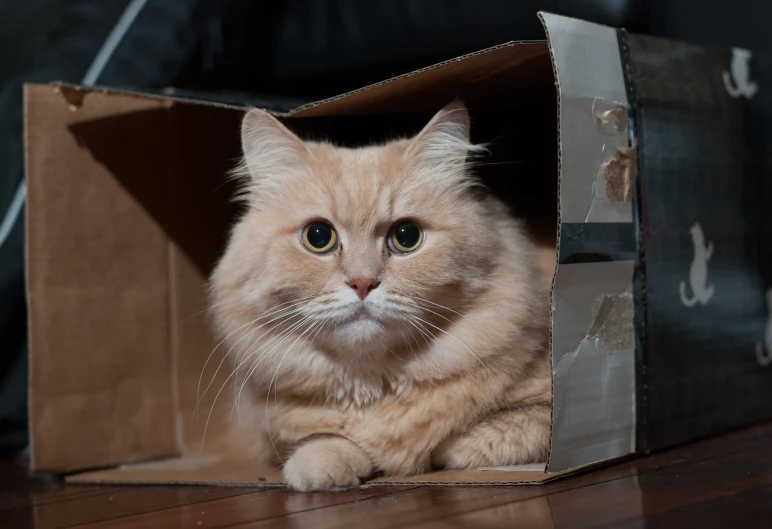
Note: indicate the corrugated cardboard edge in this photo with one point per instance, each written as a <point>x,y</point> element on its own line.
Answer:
<point>557,232</point>
<point>27,288</point>
<point>304,109</point>
<point>75,94</point>
<point>272,478</point>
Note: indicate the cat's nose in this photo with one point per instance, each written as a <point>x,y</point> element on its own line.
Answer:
<point>363,285</point>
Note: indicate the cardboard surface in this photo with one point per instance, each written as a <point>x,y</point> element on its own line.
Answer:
<point>98,270</point>
<point>190,471</point>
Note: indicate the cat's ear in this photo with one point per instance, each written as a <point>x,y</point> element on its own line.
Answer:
<point>270,148</point>
<point>443,145</point>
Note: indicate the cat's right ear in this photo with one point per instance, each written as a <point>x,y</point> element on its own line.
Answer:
<point>270,148</point>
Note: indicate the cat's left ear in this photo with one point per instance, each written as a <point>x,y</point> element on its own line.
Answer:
<point>270,149</point>
<point>443,145</point>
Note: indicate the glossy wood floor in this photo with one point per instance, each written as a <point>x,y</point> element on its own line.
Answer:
<point>722,482</point>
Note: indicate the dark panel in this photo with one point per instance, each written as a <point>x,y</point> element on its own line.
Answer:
<point>705,158</point>
<point>594,242</point>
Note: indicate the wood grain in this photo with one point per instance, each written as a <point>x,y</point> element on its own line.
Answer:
<point>721,482</point>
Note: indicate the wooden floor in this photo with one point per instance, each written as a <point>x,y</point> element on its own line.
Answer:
<point>722,482</point>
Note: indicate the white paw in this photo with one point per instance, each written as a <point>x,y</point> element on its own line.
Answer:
<point>326,464</point>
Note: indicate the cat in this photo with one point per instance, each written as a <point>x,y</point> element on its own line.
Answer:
<point>764,350</point>
<point>395,310</point>
<point>698,273</point>
<point>741,74</point>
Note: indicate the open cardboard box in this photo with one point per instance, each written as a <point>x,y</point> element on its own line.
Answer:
<point>128,209</point>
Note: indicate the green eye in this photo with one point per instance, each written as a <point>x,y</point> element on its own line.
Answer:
<point>319,237</point>
<point>406,237</point>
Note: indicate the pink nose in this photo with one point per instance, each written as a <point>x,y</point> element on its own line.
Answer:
<point>363,286</point>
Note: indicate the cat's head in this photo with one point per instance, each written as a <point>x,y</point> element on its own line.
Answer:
<point>358,248</point>
<point>696,231</point>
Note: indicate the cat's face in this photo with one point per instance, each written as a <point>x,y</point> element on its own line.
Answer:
<point>370,246</point>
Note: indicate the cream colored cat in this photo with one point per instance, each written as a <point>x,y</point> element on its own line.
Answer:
<point>393,312</point>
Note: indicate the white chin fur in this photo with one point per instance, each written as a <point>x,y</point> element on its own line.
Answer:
<point>358,332</point>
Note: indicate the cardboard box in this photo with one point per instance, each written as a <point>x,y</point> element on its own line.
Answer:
<point>660,151</point>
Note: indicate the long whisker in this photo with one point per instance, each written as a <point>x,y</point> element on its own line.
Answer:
<point>231,334</point>
<point>284,314</point>
<point>453,337</point>
<point>416,298</point>
<point>276,390</point>
<point>238,387</point>
<point>435,313</point>
<point>409,342</point>
<point>392,353</point>
<point>422,331</point>
<point>210,306</point>
<point>209,416</point>
<point>276,341</point>
<point>293,311</point>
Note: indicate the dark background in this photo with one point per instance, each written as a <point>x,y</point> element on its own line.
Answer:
<point>275,54</point>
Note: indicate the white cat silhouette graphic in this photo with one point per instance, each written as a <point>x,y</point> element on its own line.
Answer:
<point>698,273</point>
<point>764,351</point>
<point>741,75</point>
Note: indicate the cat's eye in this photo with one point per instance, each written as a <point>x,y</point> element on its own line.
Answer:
<point>406,237</point>
<point>319,237</point>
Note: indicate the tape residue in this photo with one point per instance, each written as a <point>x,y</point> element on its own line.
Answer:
<point>612,326</point>
<point>620,173</point>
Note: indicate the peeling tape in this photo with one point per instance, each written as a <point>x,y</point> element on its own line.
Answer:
<point>612,326</point>
<point>610,117</point>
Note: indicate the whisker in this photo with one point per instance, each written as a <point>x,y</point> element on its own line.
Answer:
<point>456,339</point>
<point>435,313</point>
<point>292,311</point>
<point>392,353</point>
<point>276,340</point>
<point>408,342</point>
<point>423,332</point>
<point>275,377</point>
<point>263,315</point>
<point>209,416</point>
<point>210,306</point>
<point>416,298</point>
<point>238,387</point>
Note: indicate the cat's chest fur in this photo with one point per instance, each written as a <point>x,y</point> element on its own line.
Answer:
<point>342,386</point>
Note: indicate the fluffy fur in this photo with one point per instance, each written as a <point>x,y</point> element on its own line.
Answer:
<point>444,364</point>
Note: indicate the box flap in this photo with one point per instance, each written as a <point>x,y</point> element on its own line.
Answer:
<point>593,332</point>
<point>486,79</point>
<point>101,381</point>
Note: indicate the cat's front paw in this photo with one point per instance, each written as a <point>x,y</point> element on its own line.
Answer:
<point>327,464</point>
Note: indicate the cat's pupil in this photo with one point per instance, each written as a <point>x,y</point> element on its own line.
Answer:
<point>407,234</point>
<point>319,235</point>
